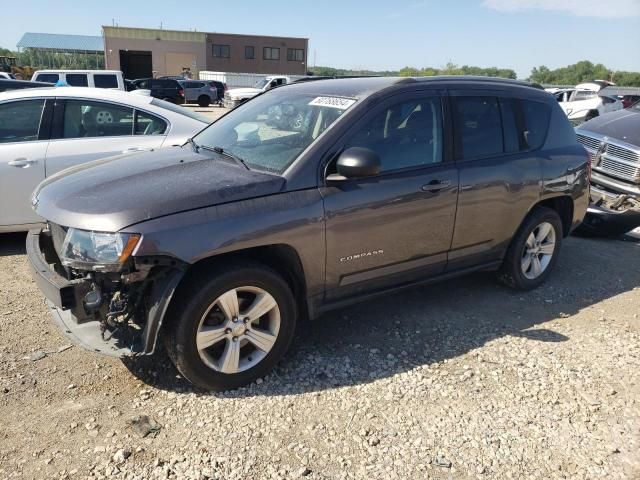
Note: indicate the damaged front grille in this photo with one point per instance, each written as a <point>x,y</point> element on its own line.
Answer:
<point>611,158</point>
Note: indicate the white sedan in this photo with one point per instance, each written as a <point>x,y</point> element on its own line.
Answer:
<point>45,130</point>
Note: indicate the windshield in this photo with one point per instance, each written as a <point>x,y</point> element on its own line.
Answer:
<point>272,130</point>
<point>261,83</point>
<point>181,110</point>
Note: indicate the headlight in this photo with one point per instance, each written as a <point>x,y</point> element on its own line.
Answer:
<point>98,251</point>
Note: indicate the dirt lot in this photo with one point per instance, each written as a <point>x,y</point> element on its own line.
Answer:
<point>466,379</point>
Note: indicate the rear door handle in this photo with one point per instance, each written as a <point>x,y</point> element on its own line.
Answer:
<point>21,162</point>
<point>436,185</point>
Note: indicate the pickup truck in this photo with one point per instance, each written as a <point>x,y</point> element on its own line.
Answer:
<point>237,96</point>
<point>304,200</point>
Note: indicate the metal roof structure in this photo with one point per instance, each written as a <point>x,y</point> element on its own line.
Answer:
<point>62,43</point>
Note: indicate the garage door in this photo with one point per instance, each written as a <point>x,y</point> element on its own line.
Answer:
<point>176,62</point>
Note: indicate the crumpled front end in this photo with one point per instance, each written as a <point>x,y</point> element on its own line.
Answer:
<point>116,313</point>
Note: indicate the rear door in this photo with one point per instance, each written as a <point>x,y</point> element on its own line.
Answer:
<point>397,226</point>
<point>24,137</point>
<point>500,174</point>
<point>86,130</point>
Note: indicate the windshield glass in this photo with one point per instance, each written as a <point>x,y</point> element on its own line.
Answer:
<point>270,131</point>
<point>181,110</point>
<point>261,83</point>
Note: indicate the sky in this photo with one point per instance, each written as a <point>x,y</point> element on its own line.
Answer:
<point>380,34</point>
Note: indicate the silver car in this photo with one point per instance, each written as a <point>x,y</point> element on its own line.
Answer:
<point>45,130</point>
<point>201,92</point>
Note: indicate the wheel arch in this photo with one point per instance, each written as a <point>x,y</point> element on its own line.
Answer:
<point>562,205</point>
<point>282,258</point>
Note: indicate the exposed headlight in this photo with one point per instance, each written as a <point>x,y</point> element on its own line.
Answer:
<point>98,251</point>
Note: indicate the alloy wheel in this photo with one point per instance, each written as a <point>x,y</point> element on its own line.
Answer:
<point>238,329</point>
<point>538,250</point>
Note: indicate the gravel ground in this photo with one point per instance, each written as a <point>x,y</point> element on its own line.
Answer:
<point>461,380</point>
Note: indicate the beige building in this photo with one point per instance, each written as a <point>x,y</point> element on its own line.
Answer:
<point>142,52</point>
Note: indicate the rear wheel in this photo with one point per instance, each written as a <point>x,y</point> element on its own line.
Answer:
<point>533,251</point>
<point>204,100</point>
<point>231,327</point>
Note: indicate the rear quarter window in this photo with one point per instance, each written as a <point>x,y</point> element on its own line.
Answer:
<point>101,80</point>
<point>536,119</point>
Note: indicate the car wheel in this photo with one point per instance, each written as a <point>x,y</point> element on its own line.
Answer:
<point>204,101</point>
<point>533,251</point>
<point>231,326</point>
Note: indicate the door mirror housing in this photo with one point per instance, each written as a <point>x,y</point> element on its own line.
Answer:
<point>356,162</point>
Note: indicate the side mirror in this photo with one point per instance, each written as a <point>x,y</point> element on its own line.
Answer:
<point>356,162</point>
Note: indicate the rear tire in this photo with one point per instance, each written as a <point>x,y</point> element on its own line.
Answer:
<point>204,101</point>
<point>213,351</point>
<point>533,251</point>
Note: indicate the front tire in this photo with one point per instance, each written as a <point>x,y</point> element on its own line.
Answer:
<point>533,251</point>
<point>231,326</point>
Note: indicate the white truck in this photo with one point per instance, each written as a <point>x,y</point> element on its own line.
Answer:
<point>237,96</point>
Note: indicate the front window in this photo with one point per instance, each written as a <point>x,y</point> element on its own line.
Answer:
<point>271,131</point>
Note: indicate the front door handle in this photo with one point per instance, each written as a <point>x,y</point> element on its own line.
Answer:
<point>436,185</point>
<point>21,162</point>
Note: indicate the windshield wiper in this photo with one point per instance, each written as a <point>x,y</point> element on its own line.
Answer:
<point>222,151</point>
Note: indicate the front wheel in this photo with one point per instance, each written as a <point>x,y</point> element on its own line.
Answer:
<point>231,327</point>
<point>533,251</point>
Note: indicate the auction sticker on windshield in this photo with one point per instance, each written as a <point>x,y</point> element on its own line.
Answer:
<point>333,102</point>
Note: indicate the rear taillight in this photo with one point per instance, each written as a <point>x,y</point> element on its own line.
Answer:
<point>181,92</point>
<point>213,89</point>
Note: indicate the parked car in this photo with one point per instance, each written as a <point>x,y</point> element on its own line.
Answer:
<point>45,130</point>
<point>163,88</point>
<point>201,92</point>
<point>613,143</point>
<point>7,76</point>
<point>108,79</point>
<point>302,200</point>
<point>586,101</point>
<point>237,96</point>
<point>629,100</point>
<point>8,85</point>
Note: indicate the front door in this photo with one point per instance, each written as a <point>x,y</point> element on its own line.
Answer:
<point>395,227</point>
<point>22,157</point>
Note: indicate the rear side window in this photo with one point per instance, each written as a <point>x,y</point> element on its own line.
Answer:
<point>101,80</point>
<point>20,121</point>
<point>77,79</point>
<point>536,123</point>
<point>47,77</point>
<point>477,126</point>
<point>147,124</point>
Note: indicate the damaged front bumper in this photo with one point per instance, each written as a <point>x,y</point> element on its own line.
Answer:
<point>70,303</point>
<point>610,214</point>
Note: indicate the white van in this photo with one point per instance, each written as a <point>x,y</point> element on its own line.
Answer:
<point>82,78</point>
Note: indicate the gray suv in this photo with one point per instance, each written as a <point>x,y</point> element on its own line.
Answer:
<point>201,92</point>
<point>304,199</point>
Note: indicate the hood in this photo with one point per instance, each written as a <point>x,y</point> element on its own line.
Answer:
<point>622,125</point>
<point>113,193</point>
<point>244,92</point>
